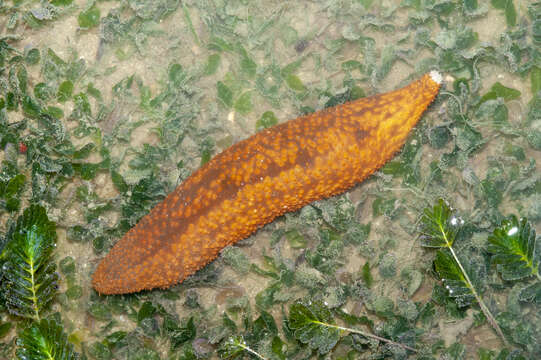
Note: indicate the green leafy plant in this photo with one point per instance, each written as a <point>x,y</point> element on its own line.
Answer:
<point>235,347</point>
<point>513,244</point>
<point>509,8</point>
<point>10,190</point>
<point>44,340</point>
<point>441,227</point>
<point>29,284</point>
<point>312,324</point>
<point>29,280</point>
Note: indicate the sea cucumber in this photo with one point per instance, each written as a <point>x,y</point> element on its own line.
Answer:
<point>249,184</point>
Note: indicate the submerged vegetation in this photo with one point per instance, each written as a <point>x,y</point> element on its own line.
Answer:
<point>28,272</point>
<point>99,122</point>
<point>29,285</point>
<point>512,244</point>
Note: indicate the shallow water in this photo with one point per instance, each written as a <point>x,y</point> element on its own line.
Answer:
<point>204,73</point>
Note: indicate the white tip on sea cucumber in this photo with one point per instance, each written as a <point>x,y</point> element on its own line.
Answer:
<point>436,76</point>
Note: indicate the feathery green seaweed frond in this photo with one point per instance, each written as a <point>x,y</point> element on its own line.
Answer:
<point>312,324</point>
<point>453,278</point>
<point>235,347</point>
<point>440,225</point>
<point>513,244</point>
<point>440,229</point>
<point>44,340</point>
<point>10,191</point>
<point>29,280</point>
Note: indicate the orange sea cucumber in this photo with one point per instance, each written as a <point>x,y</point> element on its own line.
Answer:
<point>249,184</point>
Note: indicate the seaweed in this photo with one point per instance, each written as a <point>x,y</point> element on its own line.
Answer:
<point>234,348</point>
<point>514,252</point>
<point>509,9</point>
<point>29,280</point>
<point>11,187</point>
<point>513,245</point>
<point>28,286</point>
<point>312,324</point>
<point>440,230</point>
<point>44,340</point>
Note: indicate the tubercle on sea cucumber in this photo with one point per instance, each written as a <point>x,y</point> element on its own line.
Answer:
<point>249,184</point>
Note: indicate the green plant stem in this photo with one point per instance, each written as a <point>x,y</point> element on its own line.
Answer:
<point>480,301</point>
<point>484,308</point>
<point>246,348</point>
<point>449,244</point>
<point>33,289</point>
<point>368,335</point>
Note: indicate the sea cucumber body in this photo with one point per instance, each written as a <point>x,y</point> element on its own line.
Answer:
<point>264,176</point>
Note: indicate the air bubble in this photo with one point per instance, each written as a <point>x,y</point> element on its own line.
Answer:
<point>456,221</point>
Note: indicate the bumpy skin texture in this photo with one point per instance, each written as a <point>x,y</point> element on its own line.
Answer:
<point>249,184</point>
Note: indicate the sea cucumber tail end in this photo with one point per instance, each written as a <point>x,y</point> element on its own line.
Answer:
<point>436,76</point>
